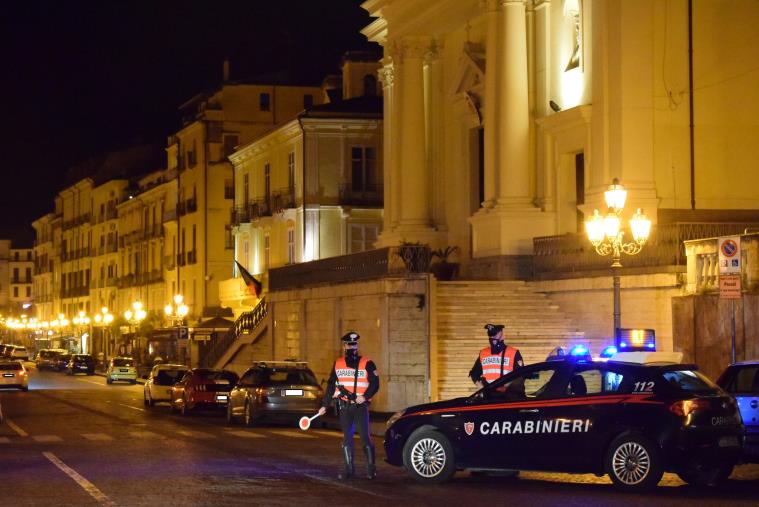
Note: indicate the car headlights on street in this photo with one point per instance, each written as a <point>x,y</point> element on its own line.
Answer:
<point>395,417</point>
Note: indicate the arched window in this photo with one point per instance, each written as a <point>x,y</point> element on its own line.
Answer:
<point>370,86</point>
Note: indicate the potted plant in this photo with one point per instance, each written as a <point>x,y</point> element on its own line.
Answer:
<point>445,270</point>
<point>415,256</point>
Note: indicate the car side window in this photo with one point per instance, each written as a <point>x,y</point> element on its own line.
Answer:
<point>525,385</point>
<point>745,380</point>
<point>590,381</point>
<point>247,378</point>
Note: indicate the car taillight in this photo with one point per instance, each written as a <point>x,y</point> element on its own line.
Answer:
<point>22,373</point>
<point>684,408</point>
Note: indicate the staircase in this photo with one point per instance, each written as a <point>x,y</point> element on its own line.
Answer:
<point>227,345</point>
<point>533,324</point>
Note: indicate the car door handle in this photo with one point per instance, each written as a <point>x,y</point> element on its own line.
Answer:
<point>529,410</point>
<point>448,415</point>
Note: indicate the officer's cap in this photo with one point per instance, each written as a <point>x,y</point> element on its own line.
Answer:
<point>494,329</point>
<point>350,338</point>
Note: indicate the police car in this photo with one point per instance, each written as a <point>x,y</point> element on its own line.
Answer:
<point>633,416</point>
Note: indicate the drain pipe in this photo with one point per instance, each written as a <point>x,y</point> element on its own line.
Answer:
<point>690,108</point>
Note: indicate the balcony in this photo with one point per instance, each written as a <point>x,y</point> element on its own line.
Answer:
<point>111,247</point>
<point>259,208</point>
<point>283,199</point>
<point>371,196</point>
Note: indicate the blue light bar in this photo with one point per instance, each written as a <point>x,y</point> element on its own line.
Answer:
<point>609,351</point>
<point>578,350</point>
<point>636,339</point>
<point>623,345</point>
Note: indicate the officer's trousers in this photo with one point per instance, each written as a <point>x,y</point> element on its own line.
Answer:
<point>355,416</point>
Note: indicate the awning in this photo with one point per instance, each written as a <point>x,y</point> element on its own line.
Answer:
<point>163,334</point>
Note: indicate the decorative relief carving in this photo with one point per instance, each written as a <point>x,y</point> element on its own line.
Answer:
<point>387,75</point>
<point>416,47</point>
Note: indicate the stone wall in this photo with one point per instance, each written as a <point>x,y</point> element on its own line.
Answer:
<point>645,303</point>
<point>703,330</point>
<point>390,315</point>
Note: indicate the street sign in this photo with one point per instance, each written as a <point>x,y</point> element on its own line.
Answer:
<point>729,254</point>
<point>730,287</point>
<point>182,333</point>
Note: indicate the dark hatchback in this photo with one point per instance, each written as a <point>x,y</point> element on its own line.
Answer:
<point>274,390</point>
<point>630,420</point>
<point>81,363</point>
<point>741,380</point>
<point>62,361</point>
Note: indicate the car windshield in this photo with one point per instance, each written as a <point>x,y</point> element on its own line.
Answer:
<point>689,381</point>
<point>285,376</point>
<point>82,358</point>
<point>168,377</point>
<point>123,362</point>
<point>745,380</point>
<point>10,366</point>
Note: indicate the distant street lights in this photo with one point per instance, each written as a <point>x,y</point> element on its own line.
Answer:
<point>607,236</point>
<point>135,315</point>
<point>102,321</point>
<point>176,312</point>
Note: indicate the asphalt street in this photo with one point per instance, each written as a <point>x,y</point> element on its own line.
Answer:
<point>78,441</point>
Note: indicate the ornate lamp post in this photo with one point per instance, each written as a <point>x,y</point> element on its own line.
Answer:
<point>176,312</point>
<point>607,237</point>
<point>134,316</point>
<point>103,320</point>
<point>81,320</point>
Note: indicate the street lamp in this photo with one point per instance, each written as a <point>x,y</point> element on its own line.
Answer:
<point>81,320</point>
<point>178,311</point>
<point>607,237</point>
<point>136,314</point>
<point>103,320</point>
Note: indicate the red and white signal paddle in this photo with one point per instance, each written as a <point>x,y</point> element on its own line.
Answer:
<point>305,422</point>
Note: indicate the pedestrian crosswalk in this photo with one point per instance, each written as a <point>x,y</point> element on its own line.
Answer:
<point>139,432</point>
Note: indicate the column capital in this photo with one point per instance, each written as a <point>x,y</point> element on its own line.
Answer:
<point>387,75</point>
<point>416,46</point>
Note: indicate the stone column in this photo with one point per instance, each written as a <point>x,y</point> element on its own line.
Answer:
<point>491,103</point>
<point>415,195</point>
<point>513,108</point>
<point>390,151</point>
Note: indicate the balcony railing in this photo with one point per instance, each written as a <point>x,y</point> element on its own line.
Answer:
<point>571,253</point>
<point>372,195</point>
<point>401,260</point>
<point>283,199</point>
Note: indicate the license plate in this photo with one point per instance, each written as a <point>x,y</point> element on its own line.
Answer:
<point>222,397</point>
<point>124,371</point>
<point>293,392</point>
<point>8,375</point>
<point>728,442</point>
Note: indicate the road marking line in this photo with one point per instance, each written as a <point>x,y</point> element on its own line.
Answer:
<point>84,483</point>
<point>130,406</point>
<point>145,434</point>
<point>100,437</point>
<point>16,428</point>
<point>93,382</point>
<point>342,485</point>
<point>46,438</point>
<point>291,433</point>
<point>244,434</point>
<point>195,434</point>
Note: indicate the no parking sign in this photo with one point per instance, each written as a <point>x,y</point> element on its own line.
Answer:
<point>729,255</point>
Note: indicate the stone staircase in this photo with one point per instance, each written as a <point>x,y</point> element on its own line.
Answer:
<point>533,324</point>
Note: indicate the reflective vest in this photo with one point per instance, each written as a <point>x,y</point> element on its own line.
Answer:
<point>492,369</point>
<point>346,377</point>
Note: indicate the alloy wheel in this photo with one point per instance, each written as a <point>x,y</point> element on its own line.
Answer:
<point>428,457</point>
<point>631,463</point>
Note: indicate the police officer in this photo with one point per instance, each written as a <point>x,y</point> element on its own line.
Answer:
<point>496,360</point>
<point>351,385</point>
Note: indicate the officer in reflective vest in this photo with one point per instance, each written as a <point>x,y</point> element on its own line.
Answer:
<point>353,382</point>
<point>496,360</point>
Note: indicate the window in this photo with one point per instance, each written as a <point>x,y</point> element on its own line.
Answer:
<point>688,381</point>
<point>28,292</point>
<point>28,274</point>
<point>15,292</point>
<point>574,30</point>
<point>291,171</point>
<point>363,169</point>
<point>593,381</point>
<point>370,86</point>
<point>245,188</point>
<point>264,102</point>
<point>525,384</point>
<point>291,244</point>
<point>266,251</point>
<point>229,189</point>
<point>308,101</point>
<point>362,237</point>
<point>745,380</point>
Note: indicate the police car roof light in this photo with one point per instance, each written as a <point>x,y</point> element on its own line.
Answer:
<point>578,350</point>
<point>609,351</point>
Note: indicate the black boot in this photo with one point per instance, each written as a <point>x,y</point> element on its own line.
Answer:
<point>371,467</point>
<point>348,471</point>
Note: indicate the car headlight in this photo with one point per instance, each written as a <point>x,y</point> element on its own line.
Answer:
<point>395,417</point>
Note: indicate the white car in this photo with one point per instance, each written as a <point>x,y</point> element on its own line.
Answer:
<point>14,374</point>
<point>20,352</point>
<point>121,368</point>
<point>159,382</point>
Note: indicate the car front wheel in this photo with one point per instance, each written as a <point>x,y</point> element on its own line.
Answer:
<point>633,463</point>
<point>428,456</point>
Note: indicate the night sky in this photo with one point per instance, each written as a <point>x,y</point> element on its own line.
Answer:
<point>85,77</point>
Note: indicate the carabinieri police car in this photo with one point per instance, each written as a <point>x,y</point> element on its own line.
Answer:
<point>632,417</point>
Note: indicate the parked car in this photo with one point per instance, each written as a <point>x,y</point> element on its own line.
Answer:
<point>121,368</point>
<point>160,381</point>
<point>274,390</point>
<point>47,359</point>
<point>741,380</point>
<point>20,352</point>
<point>62,360</point>
<point>633,418</point>
<point>81,363</point>
<point>3,346</point>
<point>202,387</point>
<point>7,350</point>
<point>14,374</point>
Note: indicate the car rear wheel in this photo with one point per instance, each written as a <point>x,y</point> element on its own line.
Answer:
<point>706,475</point>
<point>250,416</point>
<point>185,409</point>
<point>428,456</point>
<point>633,463</point>
<point>148,399</point>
